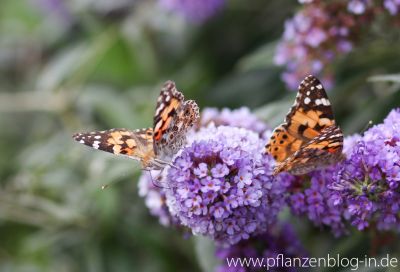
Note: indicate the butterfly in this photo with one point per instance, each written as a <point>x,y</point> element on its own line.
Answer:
<point>309,138</point>
<point>153,147</point>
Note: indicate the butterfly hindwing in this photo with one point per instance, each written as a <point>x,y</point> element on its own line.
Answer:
<point>325,149</point>
<point>305,122</point>
<point>281,144</point>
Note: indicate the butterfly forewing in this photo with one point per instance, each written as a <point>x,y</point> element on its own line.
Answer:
<point>306,121</point>
<point>137,144</point>
<point>173,118</point>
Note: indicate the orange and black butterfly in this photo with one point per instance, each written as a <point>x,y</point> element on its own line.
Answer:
<point>153,147</point>
<point>309,138</point>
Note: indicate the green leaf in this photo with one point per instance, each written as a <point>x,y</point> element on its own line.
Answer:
<point>260,58</point>
<point>385,78</point>
<point>205,251</point>
<point>273,113</point>
<point>76,63</point>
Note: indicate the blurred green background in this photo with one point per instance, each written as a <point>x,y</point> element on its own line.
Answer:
<point>79,65</point>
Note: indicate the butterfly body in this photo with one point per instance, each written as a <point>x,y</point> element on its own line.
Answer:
<point>309,138</point>
<point>153,147</point>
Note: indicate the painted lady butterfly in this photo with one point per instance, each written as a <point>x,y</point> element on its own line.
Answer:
<point>153,147</point>
<point>309,138</point>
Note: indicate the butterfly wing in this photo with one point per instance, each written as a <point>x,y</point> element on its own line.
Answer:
<point>309,115</point>
<point>325,149</point>
<point>173,118</point>
<point>136,144</point>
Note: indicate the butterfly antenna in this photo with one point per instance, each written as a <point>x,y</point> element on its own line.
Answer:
<point>367,126</point>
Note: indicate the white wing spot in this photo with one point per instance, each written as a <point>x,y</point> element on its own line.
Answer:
<point>319,86</point>
<point>97,137</point>
<point>160,107</point>
<point>308,93</point>
<point>325,102</point>
<point>82,141</point>
<point>318,102</point>
<point>96,144</point>
<point>307,100</point>
<point>312,88</point>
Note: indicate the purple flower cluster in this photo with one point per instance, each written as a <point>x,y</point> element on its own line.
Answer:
<point>312,39</point>
<point>368,185</point>
<point>314,200</point>
<point>278,240</point>
<point>311,196</point>
<point>358,6</point>
<point>222,185</point>
<point>155,197</point>
<point>197,11</point>
<point>242,118</point>
<point>321,32</point>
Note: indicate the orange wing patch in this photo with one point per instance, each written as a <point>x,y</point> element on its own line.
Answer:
<point>281,144</point>
<point>165,118</point>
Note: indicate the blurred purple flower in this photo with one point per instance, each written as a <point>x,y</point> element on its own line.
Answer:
<point>321,32</point>
<point>56,9</point>
<point>197,11</point>
<point>393,6</point>
<point>315,37</point>
<point>278,240</point>
<point>230,193</point>
<point>358,6</point>
<point>305,1</point>
<point>241,117</point>
<point>367,186</point>
<point>311,39</point>
<point>155,198</point>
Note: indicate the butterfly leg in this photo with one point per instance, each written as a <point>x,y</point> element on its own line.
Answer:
<point>157,180</point>
<point>161,164</point>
